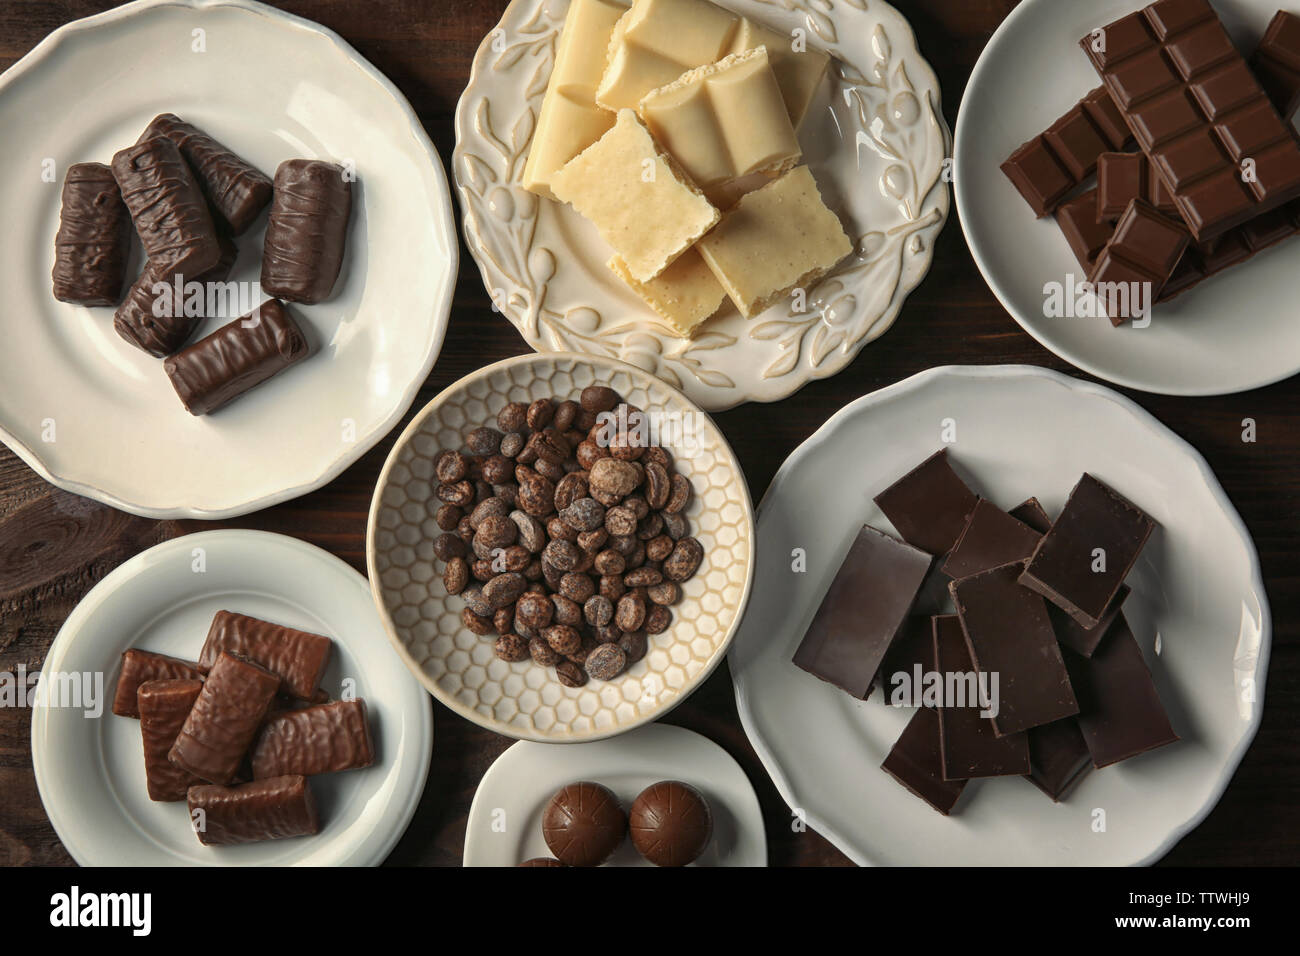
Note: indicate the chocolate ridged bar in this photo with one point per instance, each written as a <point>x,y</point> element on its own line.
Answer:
<point>1085,234</point>
<point>1198,113</point>
<point>1047,168</point>
<point>1123,177</point>
<point>323,739</point>
<point>236,190</point>
<point>1277,62</point>
<point>307,230</point>
<point>140,666</point>
<point>298,657</point>
<point>929,505</point>
<point>224,719</point>
<point>164,705</point>
<point>1145,248</point>
<point>271,809</point>
<point>94,238</point>
<point>916,763</point>
<point>990,539</point>
<point>1058,757</point>
<point>167,206</point>
<point>236,357</point>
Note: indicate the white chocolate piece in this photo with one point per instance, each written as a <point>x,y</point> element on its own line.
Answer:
<point>776,239</point>
<point>684,294</point>
<point>798,73</point>
<point>636,196</point>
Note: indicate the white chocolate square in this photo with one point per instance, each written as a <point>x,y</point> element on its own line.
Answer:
<point>684,294</point>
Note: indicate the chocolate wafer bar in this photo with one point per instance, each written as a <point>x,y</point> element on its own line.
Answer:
<point>140,666</point>
<point>307,230</point>
<point>270,809</point>
<point>298,657</point>
<point>323,739</point>
<point>164,705</point>
<point>224,719</point>
<point>1145,249</point>
<point>1277,62</point>
<point>1123,177</point>
<point>91,247</point>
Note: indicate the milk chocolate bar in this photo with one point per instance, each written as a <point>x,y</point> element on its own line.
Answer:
<point>1233,248</point>
<point>323,739</point>
<point>929,505</point>
<point>1123,177</point>
<point>916,763</point>
<point>236,190</point>
<point>1145,248</point>
<point>270,809</point>
<point>1058,757</point>
<point>990,539</point>
<point>238,356</point>
<point>306,231</point>
<point>225,716</point>
<point>298,657</point>
<point>164,705</point>
<point>1079,223</point>
<point>1277,62</point>
<point>93,241</point>
<point>141,666</point>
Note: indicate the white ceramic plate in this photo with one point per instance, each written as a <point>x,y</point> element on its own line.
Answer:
<point>97,416</point>
<point>90,770</point>
<point>1020,431</point>
<point>505,820</point>
<point>1231,333</point>
<point>875,139</point>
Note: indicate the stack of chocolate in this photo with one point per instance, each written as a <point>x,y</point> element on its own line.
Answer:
<point>238,732</point>
<point>1215,178</point>
<point>1037,673</point>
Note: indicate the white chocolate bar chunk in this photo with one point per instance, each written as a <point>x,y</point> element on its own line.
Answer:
<point>776,239</point>
<point>684,294</point>
<point>798,72</point>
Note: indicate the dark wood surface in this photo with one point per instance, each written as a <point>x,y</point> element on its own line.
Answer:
<point>55,546</point>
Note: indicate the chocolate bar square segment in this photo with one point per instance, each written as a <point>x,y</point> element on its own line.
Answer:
<point>929,505</point>
<point>1086,232</point>
<point>164,705</point>
<point>1084,640</point>
<point>863,611</point>
<point>94,238</point>
<point>1011,640</point>
<point>1123,177</point>
<point>1277,62</point>
<point>224,719</point>
<point>990,539</point>
<point>271,809</point>
<point>1058,757</point>
<point>916,763</point>
<point>1145,249</point>
<point>1082,561</point>
<point>140,666</point>
<point>299,658</point>
<point>306,230</point>
<point>1031,512</point>
<point>323,739</point>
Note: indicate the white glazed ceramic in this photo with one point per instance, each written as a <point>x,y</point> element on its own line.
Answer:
<point>90,770</point>
<point>524,699</point>
<point>505,820</point>
<point>875,139</point>
<point>1233,332</point>
<point>97,416</point>
<point>1020,431</point>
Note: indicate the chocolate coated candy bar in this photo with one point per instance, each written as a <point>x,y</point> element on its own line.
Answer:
<point>164,705</point>
<point>307,230</point>
<point>990,539</point>
<point>236,190</point>
<point>236,357</point>
<point>929,505</point>
<point>1145,249</point>
<point>270,809</point>
<point>1058,757</point>
<point>168,209</point>
<point>93,241</point>
<point>140,666</point>
<point>226,715</point>
<point>1123,177</point>
<point>1277,62</point>
<point>915,762</point>
<point>1086,236</point>
<point>322,739</point>
<point>298,657</point>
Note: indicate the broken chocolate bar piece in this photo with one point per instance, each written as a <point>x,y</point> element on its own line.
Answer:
<point>1084,640</point>
<point>914,647</point>
<point>1145,249</point>
<point>224,719</point>
<point>915,762</point>
<point>1081,562</point>
<point>1058,757</point>
<point>322,739</point>
<point>91,247</point>
<point>298,657</point>
<point>1031,512</point>
<point>929,505</point>
<point>990,539</point>
<point>1123,177</point>
<point>140,666</point>
<point>307,230</point>
<point>270,809</point>
<point>1277,62</point>
<point>164,705</point>
<point>864,609</point>
<point>1086,236</point>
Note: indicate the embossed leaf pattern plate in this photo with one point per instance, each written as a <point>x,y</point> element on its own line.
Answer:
<point>524,699</point>
<point>875,139</point>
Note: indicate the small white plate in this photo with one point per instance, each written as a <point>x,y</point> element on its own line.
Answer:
<point>505,820</point>
<point>1231,333</point>
<point>97,416</point>
<point>90,771</point>
<point>1020,431</point>
<point>876,141</point>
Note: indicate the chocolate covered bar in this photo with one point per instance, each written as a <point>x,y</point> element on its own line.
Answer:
<point>915,762</point>
<point>1079,223</point>
<point>1058,757</point>
<point>929,505</point>
<point>238,356</point>
<point>322,739</point>
<point>224,719</point>
<point>1277,62</point>
<point>164,705</point>
<point>141,666</point>
<point>307,230</point>
<point>91,247</point>
<point>298,657</point>
<point>270,809</point>
<point>1145,249</point>
<point>990,539</point>
<point>1123,177</point>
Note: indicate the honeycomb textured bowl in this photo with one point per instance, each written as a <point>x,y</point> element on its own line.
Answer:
<point>523,699</point>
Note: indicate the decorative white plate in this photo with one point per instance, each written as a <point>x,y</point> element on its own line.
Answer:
<point>1020,431</point>
<point>90,771</point>
<point>97,416</point>
<point>1233,332</point>
<point>876,141</point>
<point>505,820</point>
<point>523,699</point>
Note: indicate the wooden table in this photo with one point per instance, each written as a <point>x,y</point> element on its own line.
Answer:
<point>54,546</point>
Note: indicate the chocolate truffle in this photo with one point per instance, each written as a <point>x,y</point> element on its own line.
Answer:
<point>540,861</point>
<point>583,824</point>
<point>670,823</point>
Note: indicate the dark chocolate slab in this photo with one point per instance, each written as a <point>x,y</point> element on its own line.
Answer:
<point>1058,757</point>
<point>929,505</point>
<point>270,809</point>
<point>1084,640</point>
<point>990,539</point>
<point>93,241</point>
<point>915,762</point>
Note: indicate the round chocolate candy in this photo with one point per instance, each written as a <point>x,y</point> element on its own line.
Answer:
<point>671,824</point>
<point>583,824</point>
<point>540,861</point>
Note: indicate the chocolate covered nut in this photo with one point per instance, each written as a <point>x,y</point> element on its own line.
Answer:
<point>306,230</point>
<point>634,645</point>
<point>455,576</point>
<point>598,610</point>
<point>553,471</point>
<point>684,561</point>
<point>562,638</point>
<point>570,674</point>
<point>657,619</point>
<point>482,570</point>
<point>679,496</point>
<point>488,507</point>
<point>605,662</point>
<point>583,824</point>
<point>542,652</point>
<point>670,823</point>
<point>511,648</point>
<point>511,445</point>
<point>498,470</point>
<point>482,626</point>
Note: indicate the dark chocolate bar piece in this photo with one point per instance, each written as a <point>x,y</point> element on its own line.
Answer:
<point>140,666</point>
<point>1123,177</point>
<point>1086,236</point>
<point>298,657</point>
<point>1145,250</point>
<point>94,238</point>
<point>224,719</point>
<point>270,809</point>
<point>1084,640</point>
<point>168,209</point>
<point>1031,512</point>
<point>1277,62</point>
<point>929,505</point>
<point>913,648</point>
<point>322,739</point>
<point>864,609</point>
<point>238,356</point>
<point>968,745</point>
<point>915,762</point>
<point>164,705</point>
<point>1058,757</point>
<point>1082,561</point>
<point>307,230</point>
<point>1009,634</point>
<point>990,539</point>
<point>236,190</point>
